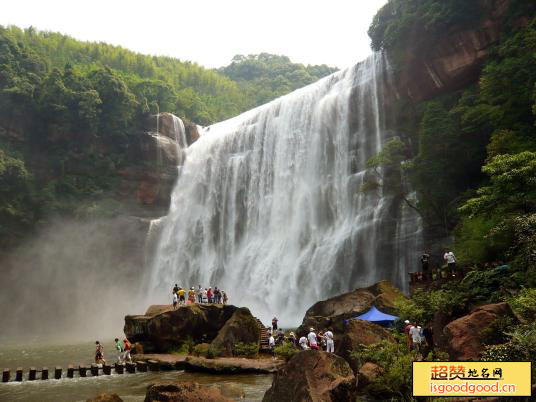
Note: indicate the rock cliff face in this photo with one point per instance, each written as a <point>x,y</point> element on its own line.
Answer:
<point>453,61</point>
<point>162,328</point>
<point>334,311</point>
<point>465,335</point>
<point>148,180</point>
<point>313,376</point>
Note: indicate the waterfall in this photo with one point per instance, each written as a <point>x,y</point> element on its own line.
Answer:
<point>268,204</point>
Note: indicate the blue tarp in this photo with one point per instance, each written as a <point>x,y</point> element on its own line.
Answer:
<point>377,317</point>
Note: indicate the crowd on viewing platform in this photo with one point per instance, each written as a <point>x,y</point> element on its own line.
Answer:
<point>183,296</point>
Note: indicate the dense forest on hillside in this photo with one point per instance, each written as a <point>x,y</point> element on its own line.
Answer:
<point>265,76</point>
<point>70,111</point>
<point>471,156</point>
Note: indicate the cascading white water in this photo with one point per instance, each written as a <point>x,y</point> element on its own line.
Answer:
<point>268,204</point>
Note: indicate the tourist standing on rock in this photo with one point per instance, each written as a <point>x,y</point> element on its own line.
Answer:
<point>127,347</point>
<point>274,323</point>
<point>311,337</point>
<point>303,343</point>
<point>292,339</point>
<point>119,350</point>
<point>407,328</point>
<point>181,292</point>
<point>175,301</point>
<point>428,334</point>
<point>224,297</point>
<point>271,343</point>
<point>321,340</point>
<point>416,338</point>
<point>210,295</point>
<point>280,336</point>
<point>191,295</point>
<point>330,345</point>
<point>99,353</point>
<point>205,296</point>
<point>200,294</point>
<point>217,295</point>
<point>451,262</point>
<point>425,258</point>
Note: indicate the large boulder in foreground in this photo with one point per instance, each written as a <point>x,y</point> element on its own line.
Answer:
<point>241,327</point>
<point>356,333</point>
<point>161,328</point>
<point>465,335</point>
<point>333,312</point>
<point>183,391</point>
<point>231,365</point>
<point>313,376</point>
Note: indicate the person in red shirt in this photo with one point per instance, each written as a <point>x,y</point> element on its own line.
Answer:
<point>126,348</point>
<point>210,295</point>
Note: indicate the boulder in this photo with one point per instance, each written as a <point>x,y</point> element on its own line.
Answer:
<point>183,391</point>
<point>368,373</point>
<point>163,328</point>
<point>105,397</point>
<point>465,335</point>
<point>241,327</point>
<point>334,311</point>
<point>356,333</point>
<point>192,133</point>
<point>233,365</point>
<point>313,376</point>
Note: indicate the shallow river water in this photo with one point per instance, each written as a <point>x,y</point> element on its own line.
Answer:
<point>130,387</point>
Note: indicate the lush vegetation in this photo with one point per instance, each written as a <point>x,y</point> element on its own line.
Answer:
<point>76,109</point>
<point>246,349</point>
<point>473,161</point>
<point>286,350</point>
<point>263,77</point>
<point>416,23</point>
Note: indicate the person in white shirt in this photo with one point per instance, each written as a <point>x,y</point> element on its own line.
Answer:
<point>175,300</point>
<point>313,344</point>
<point>271,343</point>
<point>303,343</point>
<point>330,345</point>
<point>416,337</point>
<point>451,261</point>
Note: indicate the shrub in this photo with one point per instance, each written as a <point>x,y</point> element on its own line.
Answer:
<point>524,304</point>
<point>286,350</point>
<point>206,350</point>
<point>213,352</point>
<point>246,349</point>
<point>396,360</point>
<point>201,349</point>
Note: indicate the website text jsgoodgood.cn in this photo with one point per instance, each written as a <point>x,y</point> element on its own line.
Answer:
<point>470,388</point>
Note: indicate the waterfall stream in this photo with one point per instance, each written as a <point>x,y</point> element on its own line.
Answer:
<point>268,205</point>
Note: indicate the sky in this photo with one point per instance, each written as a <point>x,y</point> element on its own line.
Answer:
<point>210,32</point>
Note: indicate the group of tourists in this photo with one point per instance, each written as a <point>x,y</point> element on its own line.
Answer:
<point>322,341</point>
<point>448,257</point>
<point>200,295</point>
<point>122,349</point>
<point>418,338</point>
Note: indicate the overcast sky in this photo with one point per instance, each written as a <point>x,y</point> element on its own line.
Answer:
<point>210,32</point>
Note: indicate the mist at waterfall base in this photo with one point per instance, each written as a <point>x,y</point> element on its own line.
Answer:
<point>73,281</point>
<point>268,205</point>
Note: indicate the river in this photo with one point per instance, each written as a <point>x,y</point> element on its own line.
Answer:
<point>130,387</point>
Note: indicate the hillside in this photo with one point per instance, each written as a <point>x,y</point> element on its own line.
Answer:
<point>73,117</point>
<point>263,77</point>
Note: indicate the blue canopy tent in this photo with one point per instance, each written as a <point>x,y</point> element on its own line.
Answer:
<point>377,317</point>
